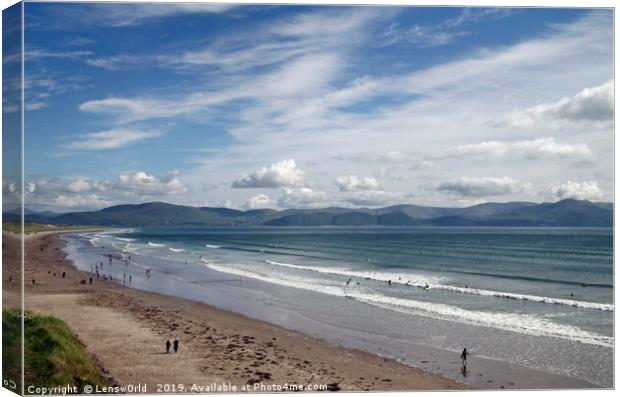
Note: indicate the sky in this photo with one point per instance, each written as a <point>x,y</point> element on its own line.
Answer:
<point>256,106</point>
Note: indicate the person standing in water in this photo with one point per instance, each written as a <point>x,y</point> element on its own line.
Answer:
<point>464,358</point>
<point>168,346</point>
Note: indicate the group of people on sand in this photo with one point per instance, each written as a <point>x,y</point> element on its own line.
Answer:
<point>175,345</point>
<point>97,269</point>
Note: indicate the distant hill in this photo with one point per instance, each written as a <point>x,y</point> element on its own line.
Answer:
<point>563,213</point>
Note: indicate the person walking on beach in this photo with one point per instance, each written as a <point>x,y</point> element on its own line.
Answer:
<point>464,359</point>
<point>168,346</point>
<point>175,345</point>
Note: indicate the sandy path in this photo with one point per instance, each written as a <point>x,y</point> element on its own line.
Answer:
<point>133,352</point>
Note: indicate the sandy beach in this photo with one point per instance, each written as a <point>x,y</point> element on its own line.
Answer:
<point>126,329</point>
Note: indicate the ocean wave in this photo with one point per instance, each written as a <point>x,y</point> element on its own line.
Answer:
<point>435,283</point>
<point>212,246</point>
<point>415,280</point>
<point>532,298</point>
<point>176,249</point>
<point>156,245</point>
<point>125,239</point>
<point>300,284</point>
<point>522,323</point>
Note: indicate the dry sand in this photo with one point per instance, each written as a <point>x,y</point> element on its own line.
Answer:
<point>125,330</point>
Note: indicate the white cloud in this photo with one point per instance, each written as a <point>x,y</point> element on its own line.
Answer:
<point>421,36</point>
<point>117,62</point>
<point>34,53</point>
<point>83,193</point>
<point>80,41</point>
<point>280,88</point>
<point>127,14</point>
<point>331,23</point>
<point>441,33</point>
<point>227,59</point>
<point>485,186</point>
<point>282,174</point>
<point>78,186</point>
<point>111,139</point>
<point>588,190</point>
<point>88,201</point>
<point>303,197</point>
<point>531,149</point>
<point>270,44</point>
<point>317,71</point>
<point>594,104</point>
<point>143,184</point>
<point>351,183</point>
<point>35,105</point>
<point>258,201</point>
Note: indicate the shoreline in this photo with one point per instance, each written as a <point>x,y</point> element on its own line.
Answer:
<point>363,326</point>
<point>219,345</point>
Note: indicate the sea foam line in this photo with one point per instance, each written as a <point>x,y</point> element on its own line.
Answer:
<point>521,323</point>
<point>435,283</point>
<point>415,280</point>
<point>125,239</point>
<point>156,245</point>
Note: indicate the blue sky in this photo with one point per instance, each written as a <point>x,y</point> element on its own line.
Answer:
<point>307,106</point>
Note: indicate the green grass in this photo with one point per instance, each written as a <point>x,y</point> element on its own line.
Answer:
<point>11,348</point>
<point>38,227</point>
<point>53,355</point>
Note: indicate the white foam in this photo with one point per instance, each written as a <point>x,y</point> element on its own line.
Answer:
<point>125,239</point>
<point>212,246</point>
<point>414,279</point>
<point>522,323</point>
<point>526,297</point>
<point>156,245</point>
<point>176,249</point>
<point>435,283</point>
<point>291,282</point>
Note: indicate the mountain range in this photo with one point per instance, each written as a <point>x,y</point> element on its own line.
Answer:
<point>569,212</point>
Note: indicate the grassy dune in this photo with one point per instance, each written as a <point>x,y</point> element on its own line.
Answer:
<point>54,356</point>
<point>11,348</point>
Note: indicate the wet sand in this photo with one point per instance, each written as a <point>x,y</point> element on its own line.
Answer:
<point>125,330</point>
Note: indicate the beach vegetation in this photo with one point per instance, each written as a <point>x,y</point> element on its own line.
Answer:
<point>53,354</point>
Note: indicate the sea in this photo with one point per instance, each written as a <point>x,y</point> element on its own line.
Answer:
<point>534,306</point>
